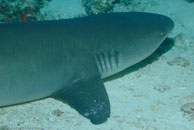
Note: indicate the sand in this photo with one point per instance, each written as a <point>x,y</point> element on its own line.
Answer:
<point>155,94</point>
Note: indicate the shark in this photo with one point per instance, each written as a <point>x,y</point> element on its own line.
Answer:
<point>68,59</point>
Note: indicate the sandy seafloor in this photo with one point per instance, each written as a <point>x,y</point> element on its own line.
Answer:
<point>157,94</point>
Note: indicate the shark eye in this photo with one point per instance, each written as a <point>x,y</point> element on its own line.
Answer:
<point>163,33</point>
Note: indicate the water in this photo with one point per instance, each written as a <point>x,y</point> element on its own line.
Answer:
<point>155,94</point>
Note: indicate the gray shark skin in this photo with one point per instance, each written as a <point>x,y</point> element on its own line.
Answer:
<point>67,59</point>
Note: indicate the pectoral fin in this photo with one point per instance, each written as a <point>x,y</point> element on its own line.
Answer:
<point>89,98</point>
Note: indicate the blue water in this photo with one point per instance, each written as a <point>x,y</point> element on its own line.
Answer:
<point>155,94</point>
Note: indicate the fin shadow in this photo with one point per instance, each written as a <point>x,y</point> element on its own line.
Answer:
<point>163,48</point>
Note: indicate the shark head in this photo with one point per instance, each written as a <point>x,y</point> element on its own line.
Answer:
<point>134,36</point>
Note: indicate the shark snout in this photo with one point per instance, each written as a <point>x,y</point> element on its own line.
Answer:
<point>170,25</point>
<point>167,24</point>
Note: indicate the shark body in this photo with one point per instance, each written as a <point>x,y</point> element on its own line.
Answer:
<point>67,59</point>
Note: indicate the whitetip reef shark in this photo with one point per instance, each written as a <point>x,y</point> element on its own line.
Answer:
<point>67,59</point>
